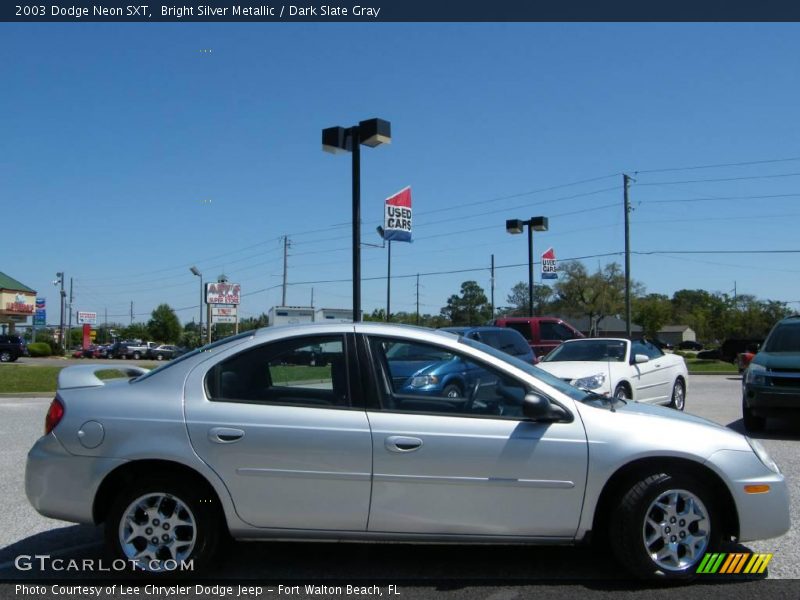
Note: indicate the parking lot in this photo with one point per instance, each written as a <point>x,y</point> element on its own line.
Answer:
<point>24,532</point>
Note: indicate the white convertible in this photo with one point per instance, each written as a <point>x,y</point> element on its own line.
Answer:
<point>637,370</point>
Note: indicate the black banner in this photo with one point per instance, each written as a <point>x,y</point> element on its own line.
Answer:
<point>403,11</point>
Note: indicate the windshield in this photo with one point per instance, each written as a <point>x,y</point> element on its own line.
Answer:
<point>785,338</point>
<point>543,376</point>
<point>195,352</point>
<point>589,351</point>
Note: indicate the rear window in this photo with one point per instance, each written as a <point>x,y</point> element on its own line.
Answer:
<point>523,328</point>
<point>507,341</point>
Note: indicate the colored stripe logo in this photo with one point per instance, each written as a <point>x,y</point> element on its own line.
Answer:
<point>734,563</point>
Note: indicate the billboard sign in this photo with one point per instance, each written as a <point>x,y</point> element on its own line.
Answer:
<point>549,265</point>
<point>87,318</point>
<point>397,217</point>
<point>223,293</point>
<point>40,316</point>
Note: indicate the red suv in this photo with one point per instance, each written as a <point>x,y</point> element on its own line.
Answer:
<point>542,333</point>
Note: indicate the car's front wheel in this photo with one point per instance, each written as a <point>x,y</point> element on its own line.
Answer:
<point>750,421</point>
<point>5,356</point>
<point>162,525</point>
<point>621,392</point>
<point>663,526</point>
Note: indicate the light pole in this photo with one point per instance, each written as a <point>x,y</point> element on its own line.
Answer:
<point>194,271</point>
<point>60,281</point>
<point>372,132</point>
<point>515,226</point>
<point>382,233</point>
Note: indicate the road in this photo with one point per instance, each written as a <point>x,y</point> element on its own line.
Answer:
<point>23,531</point>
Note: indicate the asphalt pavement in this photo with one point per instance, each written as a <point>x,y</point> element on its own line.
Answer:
<point>489,571</point>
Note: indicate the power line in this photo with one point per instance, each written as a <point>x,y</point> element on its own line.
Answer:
<point>715,198</point>
<point>720,165</point>
<point>718,180</point>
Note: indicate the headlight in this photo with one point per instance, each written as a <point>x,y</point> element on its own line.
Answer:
<point>424,380</point>
<point>589,383</point>
<point>763,455</point>
<point>756,374</point>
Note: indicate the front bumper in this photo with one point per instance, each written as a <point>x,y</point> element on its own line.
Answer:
<point>771,400</point>
<point>61,485</point>
<point>761,516</point>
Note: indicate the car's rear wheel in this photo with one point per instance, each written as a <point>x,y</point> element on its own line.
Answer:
<point>160,525</point>
<point>752,422</point>
<point>663,526</point>
<point>136,356</point>
<point>5,356</point>
<point>159,357</point>
<point>678,401</point>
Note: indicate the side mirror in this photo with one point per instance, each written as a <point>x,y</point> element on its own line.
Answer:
<point>641,358</point>
<point>539,408</point>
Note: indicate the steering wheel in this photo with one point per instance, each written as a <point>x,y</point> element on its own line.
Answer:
<point>471,396</point>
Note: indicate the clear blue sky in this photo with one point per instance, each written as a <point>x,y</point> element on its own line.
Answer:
<point>127,154</point>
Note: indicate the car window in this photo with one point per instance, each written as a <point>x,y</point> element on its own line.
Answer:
<point>785,338</point>
<point>523,328</point>
<point>651,350</point>
<point>306,371</point>
<point>589,350</point>
<point>551,330</point>
<point>446,383</point>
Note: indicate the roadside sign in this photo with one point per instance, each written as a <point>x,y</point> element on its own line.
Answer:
<point>87,318</point>
<point>549,265</point>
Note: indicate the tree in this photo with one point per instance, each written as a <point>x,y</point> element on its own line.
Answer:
<point>595,296</point>
<point>164,325</point>
<point>652,312</point>
<point>518,300</point>
<point>135,331</point>
<point>470,308</point>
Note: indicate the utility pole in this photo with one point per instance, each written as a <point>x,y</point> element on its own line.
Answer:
<point>69,322</point>
<point>286,244</point>
<point>60,281</point>
<point>625,184</point>
<point>312,297</point>
<point>417,298</point>
<point>131,312</point>
<point>492,278</point>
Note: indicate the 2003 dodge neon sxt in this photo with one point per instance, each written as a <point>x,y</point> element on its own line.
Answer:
<point>320,432</point>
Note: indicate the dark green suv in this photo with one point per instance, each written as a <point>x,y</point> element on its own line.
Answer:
<point>771,384</point>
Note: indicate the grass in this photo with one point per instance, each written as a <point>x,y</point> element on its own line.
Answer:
<point>285,373</point>
<point>696,365</point>
<point>18,379</point>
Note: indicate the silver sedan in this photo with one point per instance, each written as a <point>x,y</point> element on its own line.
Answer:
<point>344,432</point>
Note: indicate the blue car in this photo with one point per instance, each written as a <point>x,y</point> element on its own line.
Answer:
<point>416,370</point>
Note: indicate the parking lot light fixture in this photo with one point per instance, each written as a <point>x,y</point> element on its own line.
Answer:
<point>336,140</point>
<point>516,226</point>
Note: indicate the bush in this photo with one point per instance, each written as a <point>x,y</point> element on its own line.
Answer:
<point>40,349</point>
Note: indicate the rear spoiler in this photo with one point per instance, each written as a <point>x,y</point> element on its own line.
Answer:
<point>85,375</point>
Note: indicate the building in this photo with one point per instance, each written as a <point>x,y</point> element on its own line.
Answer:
<point>17,303</point>
<point>294,315</point>
<point>675,334</point>
<point>606,327</point>
<point>333,315</point>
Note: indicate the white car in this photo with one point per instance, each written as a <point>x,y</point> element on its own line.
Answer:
<point>637,370</point>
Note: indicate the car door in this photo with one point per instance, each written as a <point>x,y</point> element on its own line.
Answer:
<point>472,465</point>
<point>284,435</point>
<point>652,380</point>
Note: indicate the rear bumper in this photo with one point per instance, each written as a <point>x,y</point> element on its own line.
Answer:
<point>61,485</point>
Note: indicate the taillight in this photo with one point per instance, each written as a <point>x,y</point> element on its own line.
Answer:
<point>54,415</point>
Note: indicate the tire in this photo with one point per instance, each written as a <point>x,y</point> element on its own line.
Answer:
<point>663,526</point>
<point>452,391</point>
<point>136,356</point>
<point>5,356</point>
<point>750,421</point>
<point>621,392</point>
<point>159,357</point>
<point>185,525</point>
<point>678,400</point>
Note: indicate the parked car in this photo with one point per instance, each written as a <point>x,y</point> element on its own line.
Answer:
<point>661,343</point>
<point>503,338</point>
<point>12,347</point>
<point>771,384</point>
<point>732,347</point>
<point>164,352</point>
<point>743,359</point>
<point>542,333</point>
<point>233,439</point>
<point>690,345</point>
<point>617,367</point>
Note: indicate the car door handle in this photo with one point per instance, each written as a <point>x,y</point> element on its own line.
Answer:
<point>400,443</point>
<point>225,435</point>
